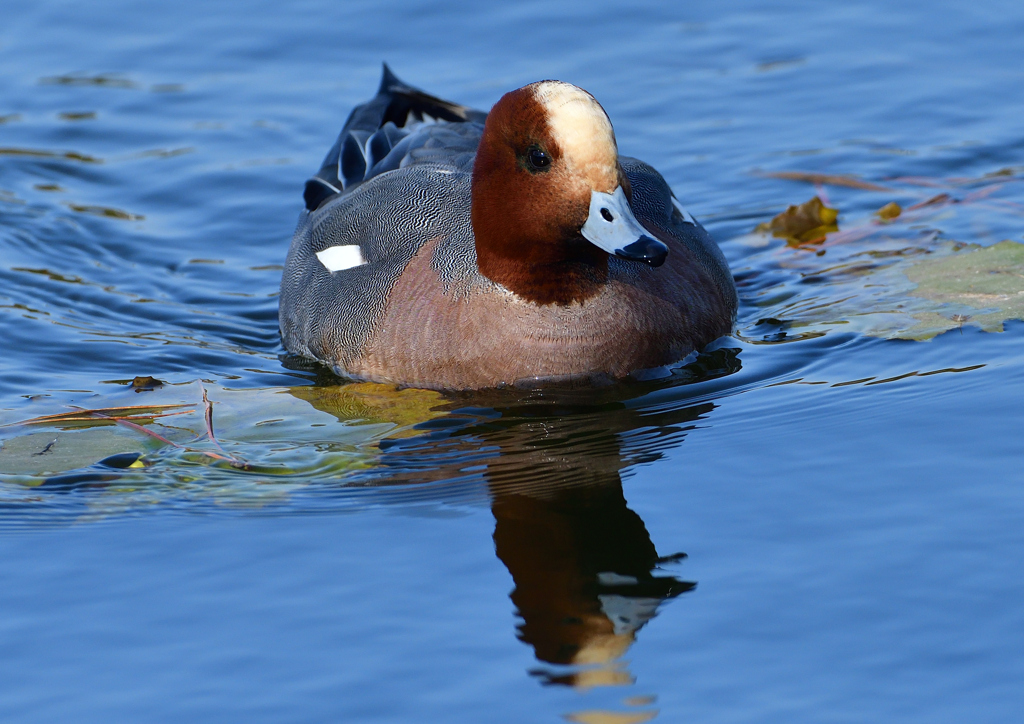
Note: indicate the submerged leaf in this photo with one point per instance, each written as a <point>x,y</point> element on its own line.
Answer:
<point>57,452</point>
<point>77,116</point>
<point>106,80</point>
<point>375,402</point>
<point>33,153</point>
<point>989,280</point>
<point>937,200</point>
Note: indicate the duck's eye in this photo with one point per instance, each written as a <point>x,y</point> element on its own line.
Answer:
<point>539,161</point>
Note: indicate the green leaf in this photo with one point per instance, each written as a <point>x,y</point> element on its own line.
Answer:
<point>58,451</point>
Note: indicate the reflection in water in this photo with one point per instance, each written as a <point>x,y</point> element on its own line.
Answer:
<point>583,563</point>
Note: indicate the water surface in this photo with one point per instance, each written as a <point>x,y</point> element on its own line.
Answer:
<point>819,519</point>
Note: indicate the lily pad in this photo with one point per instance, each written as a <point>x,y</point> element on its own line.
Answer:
<point>59,451</point>
<point>978,286</point>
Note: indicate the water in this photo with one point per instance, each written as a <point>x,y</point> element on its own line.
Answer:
<point>849,504</point>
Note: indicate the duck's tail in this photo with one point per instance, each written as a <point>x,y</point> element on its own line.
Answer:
<point>374,128</point>
<point>406,103</point>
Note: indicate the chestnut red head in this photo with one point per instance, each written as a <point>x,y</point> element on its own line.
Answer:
<point>550,200</point>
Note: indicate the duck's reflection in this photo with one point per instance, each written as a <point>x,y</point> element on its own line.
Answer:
<point>586,572</point>
<point>582,563</point>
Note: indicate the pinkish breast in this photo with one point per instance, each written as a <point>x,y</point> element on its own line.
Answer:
<point>489,336</point>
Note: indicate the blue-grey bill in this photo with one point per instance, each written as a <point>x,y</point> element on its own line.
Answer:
<point>612,226</point>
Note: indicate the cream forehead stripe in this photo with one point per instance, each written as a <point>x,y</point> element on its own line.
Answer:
<point>582,130</point>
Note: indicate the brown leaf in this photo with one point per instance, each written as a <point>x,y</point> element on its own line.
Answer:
<point>807,223</point>
<point>145,384</point>
<point>933,201</point>
<point>76,415</point>
<point>826,179</point>
<point>105,211</point>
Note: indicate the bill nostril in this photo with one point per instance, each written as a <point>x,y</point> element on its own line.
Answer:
<point>607,215</point>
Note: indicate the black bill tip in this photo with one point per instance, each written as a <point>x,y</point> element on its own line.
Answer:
<point>645,249</point>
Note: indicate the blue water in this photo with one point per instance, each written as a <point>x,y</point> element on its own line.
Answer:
<point>850,506</point>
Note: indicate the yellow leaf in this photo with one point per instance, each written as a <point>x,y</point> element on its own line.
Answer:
<point>807,223</point>
<point>890,211</point>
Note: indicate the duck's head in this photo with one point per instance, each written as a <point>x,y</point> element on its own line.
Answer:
<point>550,200</point>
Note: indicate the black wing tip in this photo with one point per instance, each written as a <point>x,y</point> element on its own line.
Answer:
<point>316,192</point>
<point>396,102</point>
<point>389,82</point>
<point>393,87</point>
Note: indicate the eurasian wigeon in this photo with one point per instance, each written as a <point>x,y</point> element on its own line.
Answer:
<point>448,248</point>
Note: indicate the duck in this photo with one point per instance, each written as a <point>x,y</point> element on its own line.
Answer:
<point>448,248</point>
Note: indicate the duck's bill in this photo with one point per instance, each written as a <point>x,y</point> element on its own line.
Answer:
<point>612,226</point>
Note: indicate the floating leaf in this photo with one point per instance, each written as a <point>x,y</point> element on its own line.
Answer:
<point>105,211</point>
<point>104,416</point>
<point>890,211</point>
<point>829,179</point>
<point>65,451</point>
<point>146,384</point>
<point>807,223</point>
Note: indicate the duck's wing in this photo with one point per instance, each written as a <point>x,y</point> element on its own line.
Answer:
<point>346,257</point>
<point>657,208</point>
<point>398,126</point>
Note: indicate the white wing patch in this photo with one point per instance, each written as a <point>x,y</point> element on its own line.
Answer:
<point>340,258</point>
<point>685,214</point>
